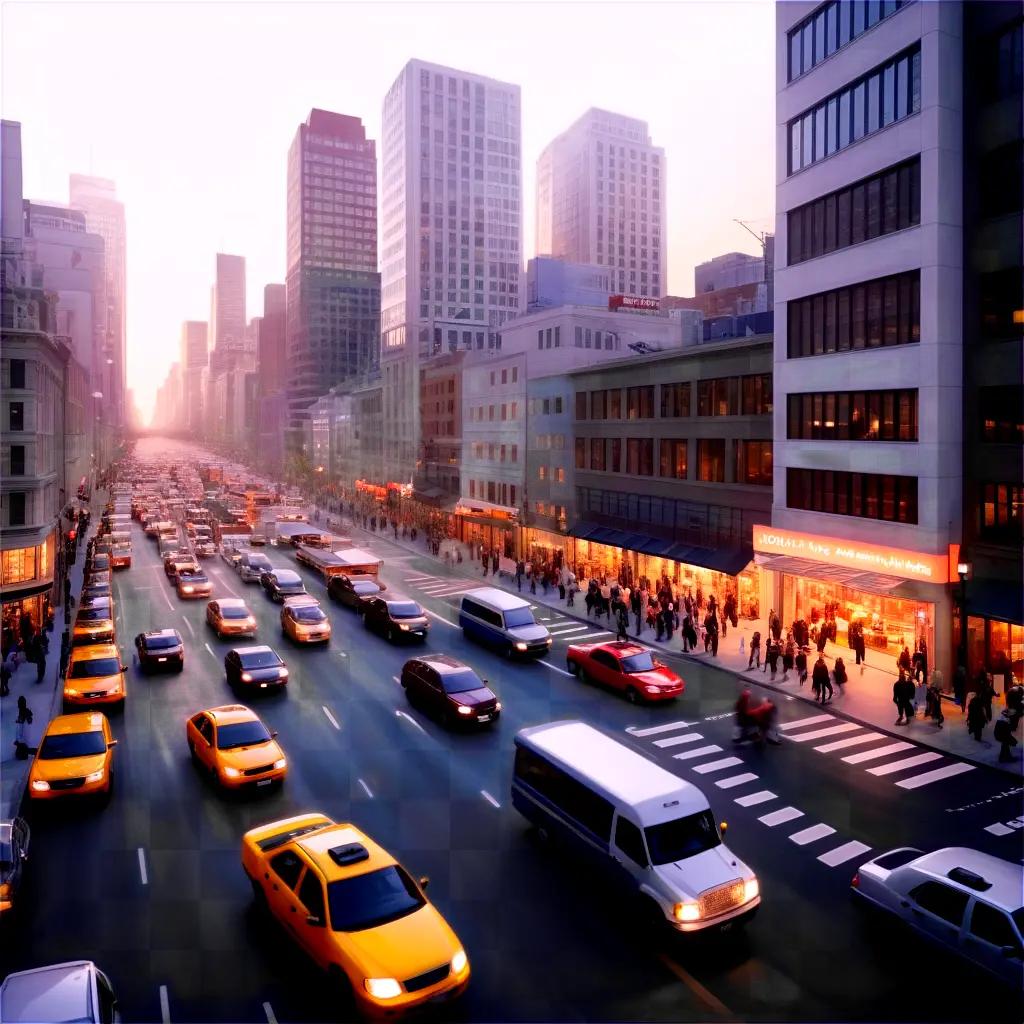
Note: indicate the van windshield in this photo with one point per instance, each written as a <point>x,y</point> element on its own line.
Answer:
<point>519,617</point>
<point>677,840</point>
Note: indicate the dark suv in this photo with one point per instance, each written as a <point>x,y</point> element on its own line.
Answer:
<point>255,668</point>
<point>160,649</point>
<point>354,591</point>
<point>397,618</point>
<point>449,690</point>
<point>282,583</point>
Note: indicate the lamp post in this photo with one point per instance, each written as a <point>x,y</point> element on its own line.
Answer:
<point>963,570</point>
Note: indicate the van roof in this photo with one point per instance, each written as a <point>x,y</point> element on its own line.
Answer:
<point>625,776</point>
<point>57,992</point>
<point>497,599</point>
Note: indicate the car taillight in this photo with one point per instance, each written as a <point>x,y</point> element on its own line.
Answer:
<point>855,881</point>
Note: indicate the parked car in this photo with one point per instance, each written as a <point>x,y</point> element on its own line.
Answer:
<point>257,668</point>
<point>282,583</point>
<point>121,557</point>
<point>160,649</point>
<point>94,622</point>
<point>206,549</point>
<point>397,618</point>
<point>353,591</point>
<point>77,991</point>
<point>14,840</point>
<point>449,690</point>
<point>624,666</point>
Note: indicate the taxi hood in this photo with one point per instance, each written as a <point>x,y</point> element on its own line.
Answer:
<point>401,949</point>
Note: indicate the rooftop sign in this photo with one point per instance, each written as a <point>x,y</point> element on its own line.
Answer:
<point>642,302</point>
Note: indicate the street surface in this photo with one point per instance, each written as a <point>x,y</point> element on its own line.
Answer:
<point>150,885</point>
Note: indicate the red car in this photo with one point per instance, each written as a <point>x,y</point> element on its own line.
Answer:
<point>627,667</point>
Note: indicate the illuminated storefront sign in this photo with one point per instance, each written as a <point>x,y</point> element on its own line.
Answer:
<point>910,565</point>
<point>616,302</point>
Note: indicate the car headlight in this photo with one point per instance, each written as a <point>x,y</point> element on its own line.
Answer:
<point>382,988</point>
<point>187,589</point>
<point>246,677</point>
<point>520,646</point>
<point>95,776</point>
<point>70,691</point>
<point>402,625</point>
<point>459,961</point>
<point>464,710</point>
<point>750,889</point>
<point>230,773</point>
<point>282,673</point>
<point>653,689</point>
<point>550,641</point>
<point>280,763</point>
<point>497,706</point>
<point>40,786</point>
<point>689,911</point>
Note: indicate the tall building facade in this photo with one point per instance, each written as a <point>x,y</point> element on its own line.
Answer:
<point>227,313</point>
<point>601,200</point>
<point>104,216</point>
<point>194,358</point>
<point>451,232</point>
<point>876,329</point>
<point>270,341</point>
<point>333,287</point>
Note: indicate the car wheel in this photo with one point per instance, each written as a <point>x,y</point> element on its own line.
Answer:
<point>632,696</point>
<point>573,668</point>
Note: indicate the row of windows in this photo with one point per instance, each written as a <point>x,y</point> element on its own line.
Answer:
<point>550,337</point>
<point>546,406</point>
<point>853,416</point>
<point>495,452</point>
<point>1000,513</point>
<point>878,99</point>
<point>636,456</point>
<point>872,314</point>
<point>886,202</point>
<point>735,396</point>
<point>556,474</point>
<point>493,491</point>
<point>831,27</point>
<point>718,396</point>
<point>491,413</point>
<point>866,495</point>
<point>506,375</point>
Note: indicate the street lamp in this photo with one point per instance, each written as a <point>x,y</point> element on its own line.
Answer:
<point>963,570</point>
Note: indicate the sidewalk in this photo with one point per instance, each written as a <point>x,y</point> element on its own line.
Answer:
<point>868,696</point>
<point>44,698</point>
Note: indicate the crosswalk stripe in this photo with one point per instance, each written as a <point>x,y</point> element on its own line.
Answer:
<point>753,799</point>
<point>563,630</point>
<point>735,780</point>
<point>817,734</point>
<point>926,778</point>
<point>780,816</point>
<point>999,829</point>
<point>813,720</point>
<point>716,766</point>
<point>677,741</point>
<point>904,763</point>
<point>871,755</point>
<point>653,730</point>
<point>843,853</point>
<point>699,752</point>
<point>852,741</point>
<point>812,834</point>
<point>417,579</point>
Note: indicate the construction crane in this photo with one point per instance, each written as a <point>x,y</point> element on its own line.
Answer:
<point>759,235</point>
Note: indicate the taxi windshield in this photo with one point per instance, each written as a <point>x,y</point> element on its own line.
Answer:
<point>309,613</point>
<point>95,668</point>
<point>676,840</point>
<point>642,662</point>
<point>94,614</point>
<point>241,734</point>
<point>234,611</point>
<point>72,744</point>
<point>372,899</point>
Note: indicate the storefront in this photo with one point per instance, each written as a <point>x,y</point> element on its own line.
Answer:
<point>26,576</point>
<point>493,526</point>
<point>995,636</point>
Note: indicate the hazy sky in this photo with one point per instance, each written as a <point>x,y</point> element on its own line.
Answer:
<point>191,108</point>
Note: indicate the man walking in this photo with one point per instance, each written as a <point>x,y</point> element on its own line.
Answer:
<point>820,681</point>
<point>755,651</point>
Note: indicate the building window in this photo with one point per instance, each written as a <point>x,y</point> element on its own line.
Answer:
<point>1001,63</point>
<point>718,396</point>
<point>856,212</point>
<point>17,374</point>
<point>640,402</point>
<point>17,460</point>
<point>16,508</point>
<point>581,453</point>
<point>581,405</point>
<point>597,454</point>
<point>613,404</point>
<point>672,458</point>
<point>597,405</point>
<point>1002,414</point>
<point>754,462</point>
<point>16,415</point>
<point>1000,514</point>
<point>865,495</point>
<point>756,394</point>
<point>711,460</point>
<point>675,400</point>
<point>19,566</point>
<point>893,92</point>
<point>853,416</point>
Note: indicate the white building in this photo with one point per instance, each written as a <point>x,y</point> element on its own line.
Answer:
<point>451,231</point>
<point>727,271</point>
<point>868,338</point>
<point>601,200</point>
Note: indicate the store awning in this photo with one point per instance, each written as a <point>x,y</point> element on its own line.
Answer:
<point>479,507</point>
<point>856,579</point>
<point>995,599</point>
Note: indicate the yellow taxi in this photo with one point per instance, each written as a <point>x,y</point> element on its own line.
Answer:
<point>304,621</point>
<point>230,616</point>
<point>94,622</point>
<point>74,757</point>
<point>235,747</point>
<point>356,911</point>
<point>95,675</point>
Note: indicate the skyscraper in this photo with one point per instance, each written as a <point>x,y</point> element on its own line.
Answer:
<point>227,313</point>
<point>601,200</point>
<point>104,216</point>
<point>194,358</point>
<point>333,288</point>
<point>452,231</point>
<point>270,341</point>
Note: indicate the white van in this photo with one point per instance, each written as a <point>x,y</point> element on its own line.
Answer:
<point>75,991</point>
<point>502,620</point>
<point>653,829</point>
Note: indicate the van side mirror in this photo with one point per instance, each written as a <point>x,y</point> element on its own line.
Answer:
<point>723,827</point>
<point>424,881</point>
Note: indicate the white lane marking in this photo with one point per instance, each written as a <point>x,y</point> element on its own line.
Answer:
<point>566,627</point>
<point>998,829</point>
<point>843,853</point>
<point>753,799</point>
<point>417,579</point>
<point>330,718</point>
<point>269,1011</point>
<point>555,668</point>
<point>490,799</point>
<point>716,766</point>
<point>219,575</point>
<point>817,734</point>
<point>655,729</point>
<point>590,636</point>
<point>813,720</point>
<point>142,866</point>
<point>167,599</point>
<point>870,755</point>
<point>165,1006</point>
<point>342,654</point>
<point>397,680</point>
<point>676,741</point>
<point>366,788</point>
<point>434,588</point>
<point>736,780</point>
<point>853,741</point>
<point>780,816</point>
<point>434,615</point>
<point>903,763</point>
<point>927,778</point>
<point>409,718</point>
<point>699,752</point>
<point>811,835</point>
<point>449,591</point>
<point>189,625</point>
<point>210,649</point>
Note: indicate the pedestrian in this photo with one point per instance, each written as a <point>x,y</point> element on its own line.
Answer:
<point>921,660</point>
<point>771,659</point>
<point>933,705</point>
<point>21,734</point>
<point>1014,705</point>
<point>903,662</point>
<point>960,686</point>
<point>520,569</point>
<point>1003,735</point>
<point>40,665</point>
<point>5,678</point>
<point>986,693</point>
<point>622,618</point>
<point>820,681</point>
<point>903,698</point>
<point>636,608</point>
<point>839,675</point>
<point>822,638</point>
<point>755,651</point>
<point>975,716</point>
<point>788,653</point>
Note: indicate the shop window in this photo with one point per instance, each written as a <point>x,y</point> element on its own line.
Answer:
<point>675,400</point>
<point>853,415</point>
<point>865,495</point>
<point>19,566</point>
<point>711,460</point>
<point>754,462</point>
<point>1000,513</point>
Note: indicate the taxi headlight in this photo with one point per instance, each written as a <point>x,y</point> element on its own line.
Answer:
<point>550,641</point>
<point>520,646</point>
<point>246,677</point>
<point>70,691</point>
<point>230,773</point>
<point>459,961</point>
<point>403,626</point>
<point>750,889</point>
<point>95,776</point>
<point>280,763</point>
<point>464,710</point>
<point>687,911</point>
<point>382,988</point>
<point>40,785</point>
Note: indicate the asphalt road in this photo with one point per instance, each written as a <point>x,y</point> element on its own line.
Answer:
<point>151,887</point>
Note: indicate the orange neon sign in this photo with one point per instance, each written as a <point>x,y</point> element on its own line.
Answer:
<point>910,565</point>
